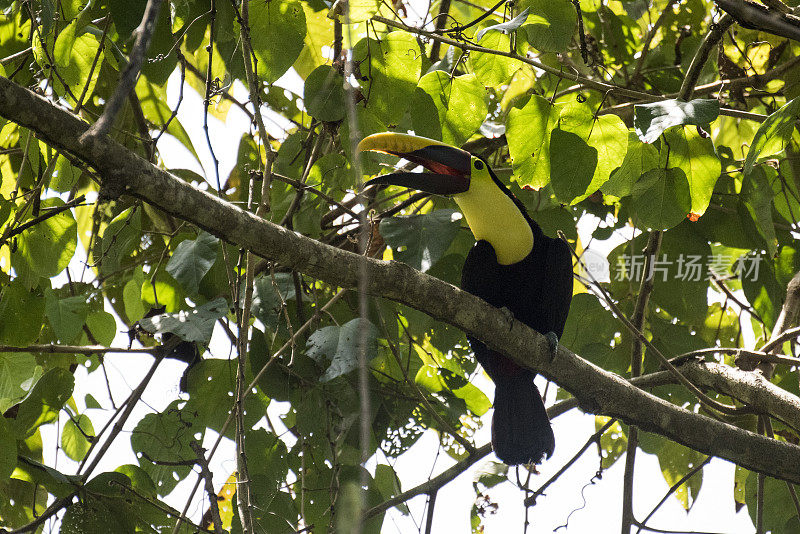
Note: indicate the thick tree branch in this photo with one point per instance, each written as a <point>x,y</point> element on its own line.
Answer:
<point>596,390</point>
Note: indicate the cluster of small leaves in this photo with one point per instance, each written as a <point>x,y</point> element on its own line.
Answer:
<point>723,189</point>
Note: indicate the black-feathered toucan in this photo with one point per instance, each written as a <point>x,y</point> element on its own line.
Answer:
<point>512,265</point>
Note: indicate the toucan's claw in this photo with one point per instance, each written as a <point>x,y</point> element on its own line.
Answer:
<point>552,342</point>
<point>509,315</point>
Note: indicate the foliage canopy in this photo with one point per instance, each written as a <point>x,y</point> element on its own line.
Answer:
<point>647,123</point>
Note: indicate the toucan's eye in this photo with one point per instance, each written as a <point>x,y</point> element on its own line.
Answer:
<point>478,164</point>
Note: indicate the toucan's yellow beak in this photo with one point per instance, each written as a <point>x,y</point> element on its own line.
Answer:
<point>450,166</point>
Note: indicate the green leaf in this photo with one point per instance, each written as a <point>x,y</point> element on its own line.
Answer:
<point>388,484</point>
<point>195,325</point>
<point>169,293</point>
<point>279,27</point>
<point>650,120</point>
<point>639,158</point>
<point>459,103</point>
<point>493,70</point>
<point>47,248</point>
<point>191,261</point>
<point>211,384</point>
<point>420,240</point>
<point>41,405</point>
<point>67,315</point>
<point>22,311</point>
<point>550,25</point>
<point>368,124</point>
<point>773,134</point>
<point>361,10</point>
<point>609,136</point>
<point>757,195</point>
<point>780,514</point>
<point>686,149</point>
<point>164,437</point>
<point>74,437</point>
<point>91,515</point>
<point>269,296</point>
<point>661,198</point>
<point>127,15</point>
<point>489,475</point>
<point>74,55</point>
<point>139,480</point>
<point>389,70</point>
<point>572,165</point>
<point>528,132</point>
<point>435,379</point>
<point>340,344</point>
<point>103,327</point>
<point>132,298</point>
<point>8,449</point>
<point>324,94</point>
<point>613,442</point>
<point>676,461</point>
<point>18,371</point>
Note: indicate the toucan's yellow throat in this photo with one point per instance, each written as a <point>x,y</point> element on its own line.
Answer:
<point>490,211</point>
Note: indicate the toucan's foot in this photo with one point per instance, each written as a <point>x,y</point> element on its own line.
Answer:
<point>552,342</point>
<point>509,315</point>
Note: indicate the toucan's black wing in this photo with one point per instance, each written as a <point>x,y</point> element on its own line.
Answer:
<point>556,290</point>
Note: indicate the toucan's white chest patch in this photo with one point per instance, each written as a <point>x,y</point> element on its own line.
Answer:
<point>493,216</point>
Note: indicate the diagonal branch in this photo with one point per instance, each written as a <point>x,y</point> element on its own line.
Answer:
<point>597,391</point>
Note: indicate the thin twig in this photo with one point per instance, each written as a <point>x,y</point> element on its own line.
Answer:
<point>672,490</point>
<point>130,73</point>
<point>594,438</point>
<point>205,474</point>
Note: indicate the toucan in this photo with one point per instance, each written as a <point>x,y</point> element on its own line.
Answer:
<point>512,265</point>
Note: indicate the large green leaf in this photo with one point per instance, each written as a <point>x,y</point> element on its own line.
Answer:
<point>22,312</point>
<point>161,443</point>
<point>277,31</point>
<point>17,371</point>
<point>8,449</point>
<point>779,513</point>
<point>757,195</point>
<point>773,134</point>
<point>661,198</point>
<point>458,102</point>
<point>389,70</point>
<point>67,315</point>
<point>324,94</point>
<point>572,165</point>
<point>550,25</point>
<point>420,240</point>
<point>685,149</point>
<point>74,55</point>
<point>75,437</point>
<point>528,133</point>
<point>192,259</point>
<point>47,248</point>
<point>194,325</point>
<point>493,70</point>
<point>211,385</point>
<point>650,120</point>
<point>584,150</point>
<point>341,345</point>
<point>676,461</point>
<point>43,402</point>
<point>639,158</point>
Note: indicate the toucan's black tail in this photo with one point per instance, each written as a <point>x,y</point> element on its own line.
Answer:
<point>521,431</point>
